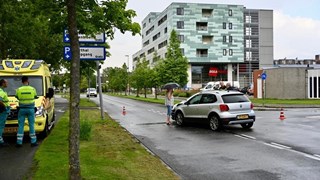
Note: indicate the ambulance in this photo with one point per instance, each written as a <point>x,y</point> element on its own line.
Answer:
<point>39,76</point>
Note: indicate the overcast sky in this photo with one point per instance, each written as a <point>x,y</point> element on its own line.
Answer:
<point>296,27</point>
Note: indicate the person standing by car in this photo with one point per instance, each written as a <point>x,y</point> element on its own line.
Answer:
<point>169,101</point>
<point>4,110</point>
<point>26,95</point>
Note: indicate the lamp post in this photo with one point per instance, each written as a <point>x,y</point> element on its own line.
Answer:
<point>128,86</point>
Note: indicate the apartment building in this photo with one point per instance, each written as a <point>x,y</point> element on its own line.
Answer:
<point>221,41</point>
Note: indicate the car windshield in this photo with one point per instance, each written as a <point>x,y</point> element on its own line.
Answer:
<point>234,98</point>
<point>14,82</point>
<point>92,89</point>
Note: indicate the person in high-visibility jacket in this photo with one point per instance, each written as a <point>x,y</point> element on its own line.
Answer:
<point>26,95</point>
<point>5,109</point>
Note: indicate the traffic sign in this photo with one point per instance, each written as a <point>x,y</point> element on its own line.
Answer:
<point>263,76</point>
<point>97,39</point>
<point>86,53</point>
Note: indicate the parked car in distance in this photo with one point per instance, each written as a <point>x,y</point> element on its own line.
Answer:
<point>92,92</point>
<point>247,90</point>
<point>217,108</point>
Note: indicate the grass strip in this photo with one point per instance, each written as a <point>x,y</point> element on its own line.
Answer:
<point>109,153</point>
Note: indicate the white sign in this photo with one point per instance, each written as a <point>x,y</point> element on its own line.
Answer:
<point>87,53</point>
<point>98,38</point>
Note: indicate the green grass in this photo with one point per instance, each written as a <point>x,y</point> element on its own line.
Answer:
<point>110,153</point>
<point>286,101</point>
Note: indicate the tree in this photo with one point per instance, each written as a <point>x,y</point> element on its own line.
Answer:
<point>91,19</point>
<point>141,76</point>
<point>175,66</point>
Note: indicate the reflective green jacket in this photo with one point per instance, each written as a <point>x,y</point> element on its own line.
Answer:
<point>26,95</point>
<point>4,97</point>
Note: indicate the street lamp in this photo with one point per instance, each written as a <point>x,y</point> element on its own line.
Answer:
<point>128,69</point>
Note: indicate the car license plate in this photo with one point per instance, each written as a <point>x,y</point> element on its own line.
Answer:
<point>243,116</point>
<point>10,129</point>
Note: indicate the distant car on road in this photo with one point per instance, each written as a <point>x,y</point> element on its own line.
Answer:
<point>92,92</point>
<point>217,108</point>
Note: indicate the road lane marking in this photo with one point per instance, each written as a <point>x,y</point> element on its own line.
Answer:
<point>317,155</point>
<point>280,145</point>
<point>273,146</point>
<point>308,126</point>
<point>312,157</point>
<point>241,136</point>
<point>247,136</point>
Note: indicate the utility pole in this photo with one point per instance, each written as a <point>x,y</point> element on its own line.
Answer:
<point>128,69</point>
<point>100,89</point>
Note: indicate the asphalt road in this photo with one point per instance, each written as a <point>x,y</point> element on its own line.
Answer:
<point>15,163</point>
<point>272,149</point>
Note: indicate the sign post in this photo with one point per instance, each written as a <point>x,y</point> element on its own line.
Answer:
<point>264,77</point>
<point>93,53</point>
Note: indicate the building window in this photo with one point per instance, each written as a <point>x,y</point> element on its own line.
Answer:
<point>248,43</point>
<point>150,50</point>
<point>145,43</point>
<point>155,37</point>
<point>230,39</point>
<point>202,26</point>
<point>144,25</point>
<point>230,52</point>
<point>248,31</point>
<point>165,30</point>
<point>207,12</point>
<point>248,55</point>
<point>230,25</point>
<point>224,25</point>
<point>224,52</point>
<point>182,51</point>
<point>163,44</point>
<point>180,11</point>
<point>162,20</point>
<point>180,25</point>
<point>248,19</point>
<point>181,38</point>
<point>224,39</point>
<point>207,39</point>
<point>230,12</point>
<point>202,52</point>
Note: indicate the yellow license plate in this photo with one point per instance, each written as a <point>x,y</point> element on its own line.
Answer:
<point>10,129</point>
<point>243,116</point>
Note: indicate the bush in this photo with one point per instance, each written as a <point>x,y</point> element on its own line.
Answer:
<point>85,130</point>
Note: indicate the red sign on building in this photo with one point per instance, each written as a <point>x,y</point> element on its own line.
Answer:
<point>213,72</point>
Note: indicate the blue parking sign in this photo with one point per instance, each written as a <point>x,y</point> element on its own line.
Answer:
<point>263,76</point>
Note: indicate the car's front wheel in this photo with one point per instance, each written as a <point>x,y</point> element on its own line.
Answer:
<point>180,119</point>
<point>247,125</point>
<point>215,123</point>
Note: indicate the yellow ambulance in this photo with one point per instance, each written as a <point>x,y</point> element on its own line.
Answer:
<point>39,76</point>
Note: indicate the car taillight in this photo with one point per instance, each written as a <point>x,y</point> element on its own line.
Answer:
<point>224,107</point>
<point>251,106</point>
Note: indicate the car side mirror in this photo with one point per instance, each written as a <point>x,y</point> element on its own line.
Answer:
<point>50,93</point>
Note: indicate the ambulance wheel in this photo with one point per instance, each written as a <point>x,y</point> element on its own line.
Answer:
<point>45,131</point>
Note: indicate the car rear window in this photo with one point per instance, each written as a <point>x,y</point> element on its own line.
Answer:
<point>234,98</point>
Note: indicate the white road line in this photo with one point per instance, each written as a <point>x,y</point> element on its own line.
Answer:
<point>273,146</point>
<point>280,145</point>
<point>308,126</point>
<point>250,137</point>
<point>241,136</point>
<point>312,157</point>
<point>317,155</point>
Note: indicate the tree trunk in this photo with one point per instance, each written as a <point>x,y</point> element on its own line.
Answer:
<point>74,120</point>
<point>145,92</point>
<point>156,93</point>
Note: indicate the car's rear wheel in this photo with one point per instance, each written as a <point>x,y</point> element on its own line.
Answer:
<point>247,125</point>
<point>215,123</point>
<point>180,119</point>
